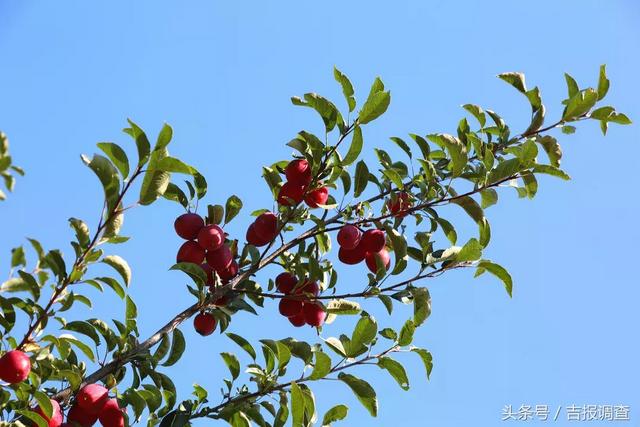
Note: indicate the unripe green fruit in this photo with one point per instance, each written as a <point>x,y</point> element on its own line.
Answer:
<point>188,225</point>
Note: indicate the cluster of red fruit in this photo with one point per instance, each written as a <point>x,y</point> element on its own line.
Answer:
<point>356,246</point>
<point>296,189</point>
<point>92,404</point>
<point>206,242</point>
<point>14,367</point>
<point>263,230</point>
<point>299,308</point>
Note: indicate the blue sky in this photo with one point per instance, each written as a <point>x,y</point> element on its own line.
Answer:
<point>222,73</point>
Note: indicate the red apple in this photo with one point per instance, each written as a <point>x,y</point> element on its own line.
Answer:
<point>220,259</point>
<point>210,237</point>
<point>352,256</point>
<point>190,252</point>
<point>14,367</point>
<point>229,272</point>
<point>285,282</point>
<point>373,240</point>
<point>253,238</point>
<point>297,320</point>
<point>317,197</point>
<point>79,417</point>
<point>291,194</point>
<point>314,314</point>
<point>308,288</point>
<point>298,172</point>
<point>373,257</point>
<point>188,225</point>
<point>92,397</point>
<point>111,414</point>
<point>266,226</point>
<point>56,414</point>
<point>289,307</point>
<point>204,324</point>
<point>399,204</point>
<point>349,236</point>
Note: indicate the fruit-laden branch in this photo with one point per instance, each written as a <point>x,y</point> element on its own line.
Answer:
<point>102,225</point>
<point>204,412</point>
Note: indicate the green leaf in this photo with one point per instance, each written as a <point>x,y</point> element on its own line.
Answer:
<point>552,148</point>
<point>243,343</point>
<point>603,82</point>
<point>44,403</point>
<point>363,391</point>
<point>120,265</point>
<point>477,112</point>
<point>471,251</point>
<point>355,148</point>
<point>164,137</point>
<point>347,88</point>
<point>336,345</point>
<point>504,170</point>
<point>489,197</point>
<point>131,311</point>
<point>321,367</point>
<point>514,79</point>
<point>336,413</point>
<point>232,363</point>
<point>142,142</point>
<point>193,270</point>
<point>457,151</point>
<point>498,271</point>
<point>156,180</point>
<point>232,208</point>
<point>572,86</point>
<point>448,230</point>
<point>364,332</point>
<point>82,231</point>
<point>396,370</point>
<point>403,145</point>
<point>375,105</point>
<point>421,305</point>
<point>117,155</point>
<point>551,170</point>
<point>426,358</point>
<point>108,176</point>
<point>361,178</point>
<point>580,104</point>
<point>178,346</point>
<point>297,405</point>
<point>328,112</point>
<point>32,416</point>
<point>83,328</point>
<point>406,333</point>
<point>174,165</point>
<point>471,207</point>
<point>343,306</point>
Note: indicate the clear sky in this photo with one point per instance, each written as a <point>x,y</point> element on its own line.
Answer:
<point>222,73</point>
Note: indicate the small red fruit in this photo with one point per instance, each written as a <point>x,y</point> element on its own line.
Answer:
<point>298,172</point>
<point>291,194</point>
<point>266,226</point>
<point>220,259</point>
<point>290,307</point>
<point>399,206</point>
<point>285,282</point>
<point>382,256</point>
<point>210,237</point>
<point>253,238</point>
<point>352,256</point>
<point>204,324</point>
<point>314,314</point>
<point>188,225</point>
<point>297,320</point>
<point>373,240</point>
<point>229,272</point>
<point>190,252</point>
<point>92,397</point>
<point>317,197</point>
<point>111,414</point>
<point>56,414</point>
<point>349,236</point>
<point>14,367</point>
<point>308,288</point>
<point>79,417</point>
